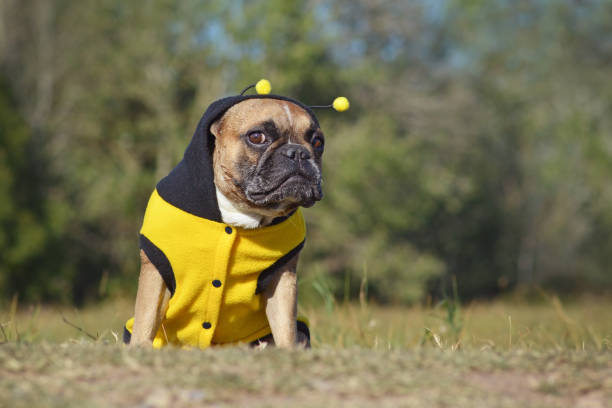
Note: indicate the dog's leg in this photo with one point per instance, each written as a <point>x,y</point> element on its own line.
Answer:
<point>151,303</point>
<point>281,306</point>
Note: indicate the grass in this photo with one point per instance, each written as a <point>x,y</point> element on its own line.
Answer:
<point>503,353</point>
<point>583,325</point>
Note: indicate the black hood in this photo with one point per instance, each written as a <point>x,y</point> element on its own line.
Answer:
<point>190,185</point>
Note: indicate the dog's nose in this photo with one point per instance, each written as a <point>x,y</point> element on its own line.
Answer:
<point>296,152</point>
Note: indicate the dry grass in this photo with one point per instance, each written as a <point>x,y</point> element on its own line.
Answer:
<point>487,355</point>
<point>583,324</point>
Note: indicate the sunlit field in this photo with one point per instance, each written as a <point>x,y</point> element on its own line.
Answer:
<point>504,353</point>
<point>548,324</point>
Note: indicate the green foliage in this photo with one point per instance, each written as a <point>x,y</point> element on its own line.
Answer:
<point>30,223</point>
<point>353,230</point>
<point>477,144</point>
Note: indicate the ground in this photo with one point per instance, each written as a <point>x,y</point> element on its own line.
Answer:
<point>498,354</point>
<point>90,374</point>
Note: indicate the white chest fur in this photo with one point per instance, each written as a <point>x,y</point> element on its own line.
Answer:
<point>232,215</point>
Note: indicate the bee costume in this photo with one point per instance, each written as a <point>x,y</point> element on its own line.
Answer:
<point>215,273</point>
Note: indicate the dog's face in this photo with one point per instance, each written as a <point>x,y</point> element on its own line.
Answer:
<point>267,156</point>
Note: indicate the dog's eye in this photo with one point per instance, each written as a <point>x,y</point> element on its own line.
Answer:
<point>257,138</point>
<point>317,143</point>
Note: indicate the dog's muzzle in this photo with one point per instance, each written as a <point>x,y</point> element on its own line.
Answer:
<point>291,176</point>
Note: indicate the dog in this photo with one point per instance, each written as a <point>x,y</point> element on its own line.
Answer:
<point>222,232</point>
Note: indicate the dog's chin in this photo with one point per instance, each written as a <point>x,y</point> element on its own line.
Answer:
<point>294,192</point>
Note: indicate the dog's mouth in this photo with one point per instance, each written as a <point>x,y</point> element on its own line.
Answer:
<point>292,189</point>
<point>290,178</point>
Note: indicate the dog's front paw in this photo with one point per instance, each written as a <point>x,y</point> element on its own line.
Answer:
<point>303,341</point>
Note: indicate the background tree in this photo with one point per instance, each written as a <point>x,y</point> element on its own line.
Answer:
<point>477,144</point>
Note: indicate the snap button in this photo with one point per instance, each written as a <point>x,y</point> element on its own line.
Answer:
<point>206,325</point>
<point>216,283</point>
<point>228,230</point>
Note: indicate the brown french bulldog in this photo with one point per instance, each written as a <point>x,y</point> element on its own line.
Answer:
<point>222,232</point>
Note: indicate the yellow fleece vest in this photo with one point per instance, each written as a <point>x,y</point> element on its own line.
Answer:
<point>216,269</point>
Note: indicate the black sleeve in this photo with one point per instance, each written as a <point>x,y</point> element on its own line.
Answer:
<point>157,258</point>
<point>266,276</point>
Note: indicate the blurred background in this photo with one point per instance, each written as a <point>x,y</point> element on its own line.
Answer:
<point>477,150</point>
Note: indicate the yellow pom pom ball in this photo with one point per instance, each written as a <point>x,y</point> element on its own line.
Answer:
<point>263,87</point>
<point>341,104</point>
